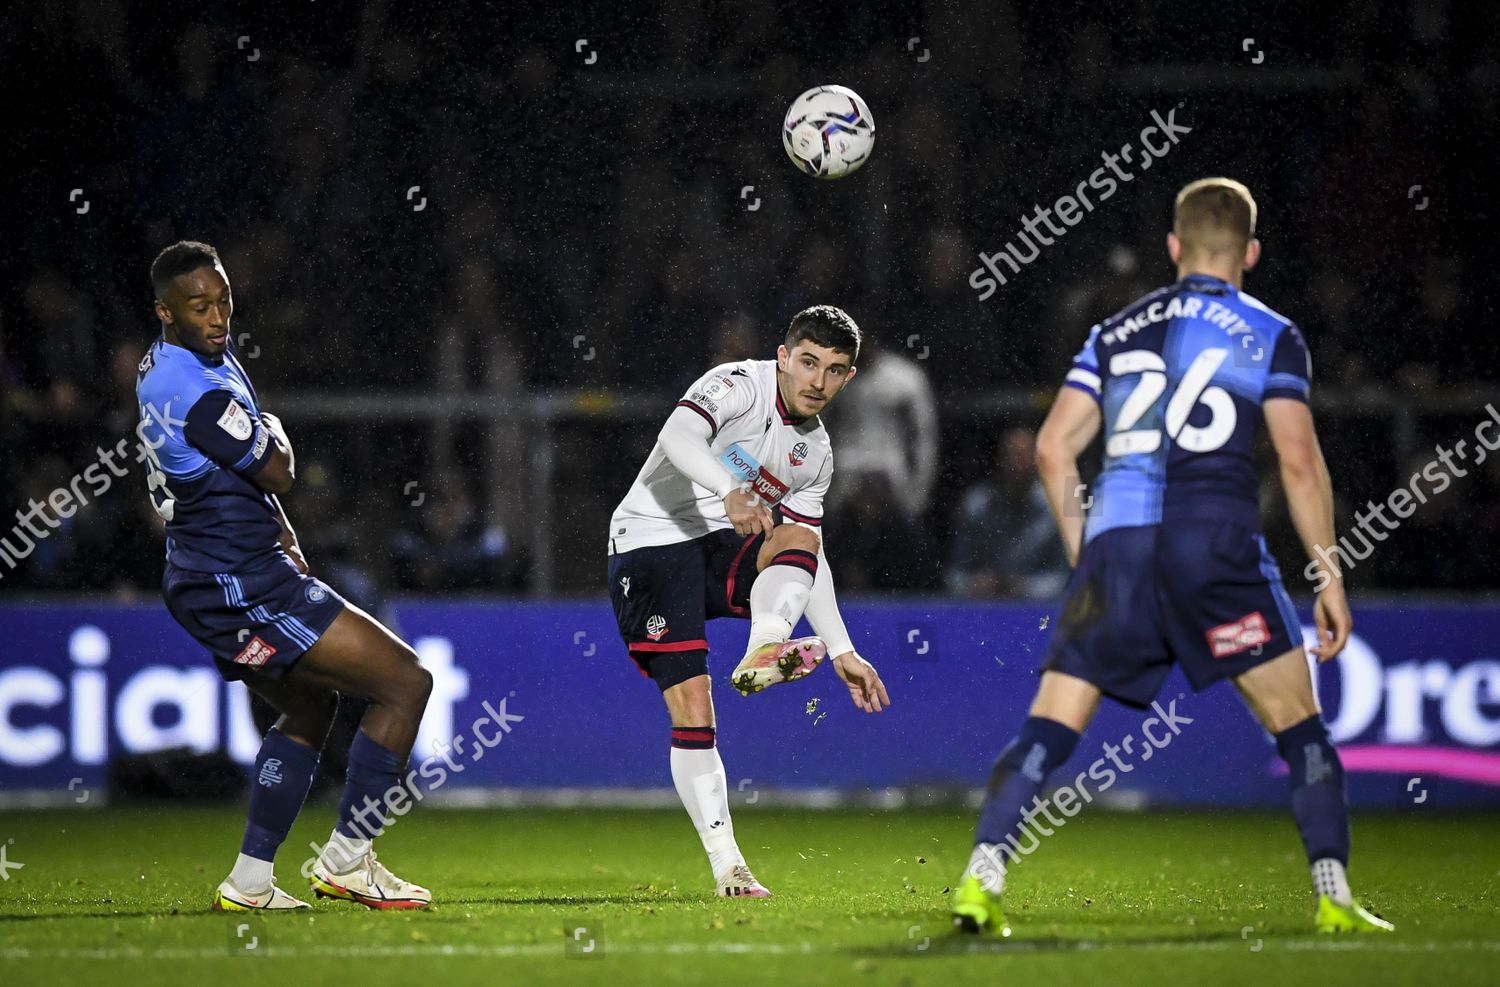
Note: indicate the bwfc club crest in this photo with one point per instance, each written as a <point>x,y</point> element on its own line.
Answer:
<point>798,455</point>
<point>656,627</point>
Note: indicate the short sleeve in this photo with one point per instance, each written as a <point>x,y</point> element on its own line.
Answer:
<point>1084,374</point>
<point>720,396</point>
<point>225,431</point>
<point>1290,374</point>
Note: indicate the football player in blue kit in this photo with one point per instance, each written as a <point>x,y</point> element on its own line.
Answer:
<point>237,581</point>
<point>1170,565</point>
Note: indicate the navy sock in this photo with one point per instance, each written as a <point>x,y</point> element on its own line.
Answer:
<point>284,771</point>
<point>1018,776</point>
<point>1318,800</point>
<point>374,771</point>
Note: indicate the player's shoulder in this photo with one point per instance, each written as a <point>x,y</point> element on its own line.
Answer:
<point>1258,307</point>
<point>1136,307</point>
<point>175,374</point>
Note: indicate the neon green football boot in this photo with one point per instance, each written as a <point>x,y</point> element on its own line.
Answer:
<point>1334,918</point>
<point>977,910</point>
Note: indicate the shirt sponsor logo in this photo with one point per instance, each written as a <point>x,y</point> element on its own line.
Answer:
<point>236,421</point>
<point>798,455</point>
<point>656,627</point>
<point>747,468</point>
<point>256,653</point>
<point>1238,635</point>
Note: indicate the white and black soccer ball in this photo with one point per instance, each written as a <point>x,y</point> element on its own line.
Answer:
<point>828,132</point>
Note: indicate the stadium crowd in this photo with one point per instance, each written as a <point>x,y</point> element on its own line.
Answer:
<point>431,199</point>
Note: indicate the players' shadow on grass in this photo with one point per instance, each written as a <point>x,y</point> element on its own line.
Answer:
<point>959,944</point>
<point>568,901</point>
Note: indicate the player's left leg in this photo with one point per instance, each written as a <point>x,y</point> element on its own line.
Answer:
<point>1063,707</point>
<point>357,654</point>
<point>786,566</point>
<point>284,771</point>
<point>1280,694</point>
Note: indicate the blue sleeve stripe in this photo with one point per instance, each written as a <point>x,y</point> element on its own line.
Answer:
<point>1082,387</point>
<point>1286,382</point>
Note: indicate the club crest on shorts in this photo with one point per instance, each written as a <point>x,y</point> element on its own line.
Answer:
<point>798,455</point>
<point>1238,635</point>
<point>656,627</point>
<point>316,593</point>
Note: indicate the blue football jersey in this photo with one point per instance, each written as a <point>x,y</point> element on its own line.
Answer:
<point>204,439</point>
<point>1180,375</point>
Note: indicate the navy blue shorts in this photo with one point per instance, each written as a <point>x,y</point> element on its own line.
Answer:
<point>257,621</point>
<point>664,594</point>
<point>1205,594</point>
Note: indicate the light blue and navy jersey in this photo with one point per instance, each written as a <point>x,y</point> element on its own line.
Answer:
<point>1180,375</point>
<point>204,438</point>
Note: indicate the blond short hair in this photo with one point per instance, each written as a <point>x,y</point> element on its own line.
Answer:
<point>1214,216</point>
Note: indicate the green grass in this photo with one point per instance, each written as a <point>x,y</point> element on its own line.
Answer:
<point>121,895</point>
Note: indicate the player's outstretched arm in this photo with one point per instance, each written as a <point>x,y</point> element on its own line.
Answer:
<point>822,612</point>
<point>1070,426</point>
<point>1309,497</point>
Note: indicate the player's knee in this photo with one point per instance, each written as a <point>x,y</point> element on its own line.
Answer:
<point>420,687</point>
<point>788,538</point>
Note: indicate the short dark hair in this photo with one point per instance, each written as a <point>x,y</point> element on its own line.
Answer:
<point>180,258</point>
<point>827,326</point>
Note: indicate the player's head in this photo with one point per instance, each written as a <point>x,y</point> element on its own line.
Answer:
<point>192,297</point>
<point>817,358</point>
<point>1213,228</point>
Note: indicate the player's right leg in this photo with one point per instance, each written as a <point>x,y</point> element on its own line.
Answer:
<point>659,598</point>
<point>702,785</point>
<point>1280,694</point>
<point>284,771</point>
<point>357,655</point>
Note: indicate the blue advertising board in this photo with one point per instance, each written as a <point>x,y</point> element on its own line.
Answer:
<point>542,696</point>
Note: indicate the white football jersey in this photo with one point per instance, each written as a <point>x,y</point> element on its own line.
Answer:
<point>787,461</point>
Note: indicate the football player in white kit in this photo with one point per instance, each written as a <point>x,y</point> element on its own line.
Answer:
<point>695,538</point>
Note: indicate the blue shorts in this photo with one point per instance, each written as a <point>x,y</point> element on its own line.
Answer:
<point>259,621</point>
<point>1205,594</point>
<point>664,594</point>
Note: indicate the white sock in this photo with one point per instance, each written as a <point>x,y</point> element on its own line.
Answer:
<point>1329,878</point>
<point>704,790</point>
<point>341,853</point>
<point>251,874</point>
<point>777,599</point>
<point>987,864</point>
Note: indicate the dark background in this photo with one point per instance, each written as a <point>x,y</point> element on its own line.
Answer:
<point>566,199</point>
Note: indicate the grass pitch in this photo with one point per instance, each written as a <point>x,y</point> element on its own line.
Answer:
<point>121,895</point>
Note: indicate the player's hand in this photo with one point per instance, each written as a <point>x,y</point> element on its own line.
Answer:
<point>1331,614</point>
<point>294,552</point>
<point>748,515</point>
<point>277,429</point>
<point>865,687</point>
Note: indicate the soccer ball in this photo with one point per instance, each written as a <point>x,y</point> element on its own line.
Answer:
<point>828,132</point>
